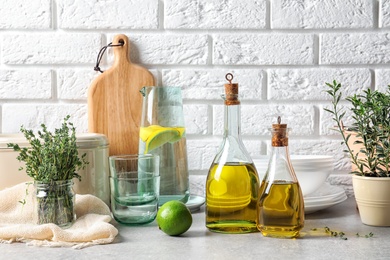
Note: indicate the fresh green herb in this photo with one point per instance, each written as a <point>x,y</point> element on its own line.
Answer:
<point>366,236</point>
<point>340,234</point>
<point>52,160</point>
<point>370,112</point>
<point>23,201</point>
<point>51,157</point>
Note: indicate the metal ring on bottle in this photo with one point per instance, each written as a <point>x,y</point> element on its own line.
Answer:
<point>229,75</point>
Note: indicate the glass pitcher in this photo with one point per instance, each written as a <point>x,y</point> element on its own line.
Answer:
<point>162,133</point>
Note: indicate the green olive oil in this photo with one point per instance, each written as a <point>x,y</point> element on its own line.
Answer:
<point>231,198</point>
<point>281,211</point>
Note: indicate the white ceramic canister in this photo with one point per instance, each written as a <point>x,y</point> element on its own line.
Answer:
<point>94,178</point>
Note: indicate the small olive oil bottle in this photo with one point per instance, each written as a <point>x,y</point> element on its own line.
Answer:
<point>281,208</point>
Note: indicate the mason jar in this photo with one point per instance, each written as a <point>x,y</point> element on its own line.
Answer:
<point>54,202</point>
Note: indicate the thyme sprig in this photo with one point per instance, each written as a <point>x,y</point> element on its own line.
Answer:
<point>52,156</point>
<point>341,234</point>
<point>23,201</point>
<point>366,236</point>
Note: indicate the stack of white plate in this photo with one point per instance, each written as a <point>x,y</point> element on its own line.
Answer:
<point>325,197</point>
<point>311,170</point>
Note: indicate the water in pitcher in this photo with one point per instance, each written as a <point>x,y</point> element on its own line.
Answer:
<point>162,132</point>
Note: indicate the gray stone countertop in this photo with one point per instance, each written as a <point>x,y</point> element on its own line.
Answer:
<point>147,242</point>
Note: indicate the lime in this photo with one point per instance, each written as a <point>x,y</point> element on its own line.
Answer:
<point>155,136</point>
<point>174,218</point>
<point>146,132</point>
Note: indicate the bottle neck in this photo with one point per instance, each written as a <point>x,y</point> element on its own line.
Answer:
<point>280,151</point>
<point>279,167</point>
<point>232,148</point>
<point>232,121</point>
<point>279,144</point>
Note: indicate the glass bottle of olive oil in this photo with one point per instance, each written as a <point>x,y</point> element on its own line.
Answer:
<point>281,209</point>
<point>232,185</point>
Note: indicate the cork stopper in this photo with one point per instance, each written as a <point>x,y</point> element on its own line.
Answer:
<point>279,134</point>
<point>231,91</point>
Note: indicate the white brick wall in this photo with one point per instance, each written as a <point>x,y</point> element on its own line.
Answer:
<point>384,15</point>
<point>308,84</point>
<point>169,49</point>
<point>26,84</point>
<point>120,14</point>
<point>207,84</point>
<point>263,49</point>
<point>281,52</point>
<point>20,14</point>
<point>206,14</point>
<point>50,48</point>
<point>355,48</point>
<point>32,115</point>
<point>348,14</point>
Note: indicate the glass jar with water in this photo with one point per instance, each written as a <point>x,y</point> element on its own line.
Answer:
<point>162,132</point>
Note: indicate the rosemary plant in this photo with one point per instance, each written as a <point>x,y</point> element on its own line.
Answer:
<point>371,116</point>
<point>52,160</point>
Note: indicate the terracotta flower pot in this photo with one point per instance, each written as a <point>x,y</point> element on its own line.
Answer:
<point>372,196</point>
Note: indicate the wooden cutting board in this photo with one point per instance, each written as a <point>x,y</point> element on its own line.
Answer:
<point>115,103</point>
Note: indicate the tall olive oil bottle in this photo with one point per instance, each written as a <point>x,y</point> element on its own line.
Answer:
<point>232,185</point>
<point>281,209</point>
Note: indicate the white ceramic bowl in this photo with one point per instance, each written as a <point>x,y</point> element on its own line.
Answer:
<point>311,171</point>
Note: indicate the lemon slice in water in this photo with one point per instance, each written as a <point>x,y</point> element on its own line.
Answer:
<point>155,136</point>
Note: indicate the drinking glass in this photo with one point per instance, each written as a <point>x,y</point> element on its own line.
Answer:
<point>135,183</point>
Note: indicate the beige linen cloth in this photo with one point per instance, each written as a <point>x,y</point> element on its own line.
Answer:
<point>91,227</point>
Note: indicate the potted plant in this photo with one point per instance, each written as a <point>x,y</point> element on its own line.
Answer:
<point>368,144</point>
<point>52,161</point>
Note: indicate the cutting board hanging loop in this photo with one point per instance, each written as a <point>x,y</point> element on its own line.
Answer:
<point>103,50</point>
